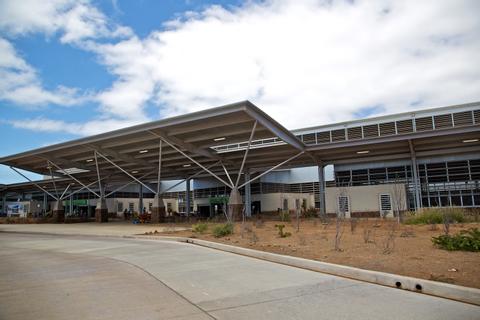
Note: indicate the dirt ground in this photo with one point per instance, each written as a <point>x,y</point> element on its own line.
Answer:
<point>411,251</point>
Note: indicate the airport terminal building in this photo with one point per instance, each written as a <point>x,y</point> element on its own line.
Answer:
<point>236,157</point>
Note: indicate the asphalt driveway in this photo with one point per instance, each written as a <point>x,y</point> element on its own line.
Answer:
<point>65,277</point>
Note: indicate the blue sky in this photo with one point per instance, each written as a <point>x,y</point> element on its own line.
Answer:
<point>74,68</point>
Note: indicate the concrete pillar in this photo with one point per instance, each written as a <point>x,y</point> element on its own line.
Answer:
<point>248,195</point>
<point>58,213</point>
<point>321,189</point>
<point>188,200</point>
<point>235,205</point>
<point>101,211</point>
<point>140,198</point>
<point>158,210</point>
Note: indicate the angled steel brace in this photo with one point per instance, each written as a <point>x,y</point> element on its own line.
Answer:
<point>51,195</point>
<point>124,171</point>
<point>63,193</point>
<point>53,179</point>
<point>192,176</point>
<point>73,178</point>
<point>127,184</point>
<point>272,168</point>
<point>246,153</point>
<point>76,191</point>
<point>193,160</point>
<point>226,172</point>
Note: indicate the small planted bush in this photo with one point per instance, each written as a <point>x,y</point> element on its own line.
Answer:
<point>282,234</point>
<point>200,228</point>
<point>465,240</point>
<point>437,216</point>
<point>222,230</point>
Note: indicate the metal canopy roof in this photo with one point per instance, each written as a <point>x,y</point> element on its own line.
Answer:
<point>136,149</point>
<point>217,139</point>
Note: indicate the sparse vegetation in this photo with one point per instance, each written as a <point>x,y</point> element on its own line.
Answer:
<point>465,240</point>
<point>282,234</point>
<point>284,215</point>
<point>310,213</point>
<point>437,216</point>
<point>200,227</point>
<point>222,230</point>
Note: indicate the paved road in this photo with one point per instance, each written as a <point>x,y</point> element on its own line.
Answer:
<point>61,277</point>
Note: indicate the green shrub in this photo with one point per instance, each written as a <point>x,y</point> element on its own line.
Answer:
<point>437,216</point>
<point>222,230</point>
<point>200,228</point>
<point>465,240</point>
<point>282,234</point>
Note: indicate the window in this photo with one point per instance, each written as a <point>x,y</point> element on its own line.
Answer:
<point>285,204</point>
<point>343,205</point>
<point>120,207</point>
<point>130,206</point>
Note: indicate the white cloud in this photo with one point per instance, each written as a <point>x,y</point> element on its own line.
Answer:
<point>303,62</point>
<point>75,20</point>
<point>85,129</point>
<point>19,82</point>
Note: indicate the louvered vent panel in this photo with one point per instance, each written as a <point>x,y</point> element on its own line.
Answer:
<point>387,129</point>
<point>309,138</point>
<point>404,126</point>
<point>338,135</point>
<point>443,121</point>
<point>323,137</point>
<point>424,124</point>
<point>354,133</point>
<point>343,205</point>
<point>462,118</point>
<point>385,202</point>
<point>370,131</point>
<point>477,116</point>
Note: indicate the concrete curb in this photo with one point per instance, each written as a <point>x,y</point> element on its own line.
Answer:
<point>438,289</point>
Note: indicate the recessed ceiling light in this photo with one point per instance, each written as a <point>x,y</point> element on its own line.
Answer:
<point>186,165</point>
<point>89,160</point>
<point>219,139</point>
<point>363,152</point>
<point>135,171</point>
<point>470,140</point>
<point>143,151</point>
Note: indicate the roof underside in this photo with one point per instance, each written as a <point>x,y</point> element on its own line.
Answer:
<point>136,149</point>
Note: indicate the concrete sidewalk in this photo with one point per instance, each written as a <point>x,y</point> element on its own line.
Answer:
<point>59,277</point>
<point>119,228</point>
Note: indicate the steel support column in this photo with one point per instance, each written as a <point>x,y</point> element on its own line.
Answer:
<point>248,195</point>
<point>71,206</point>
<point>158,207</point>
<point>188,201</point>
<point>44,203</point>
<point>140,199</point>
<point>321,189</point>
<point>418,199</point>
<point>4,200</point>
